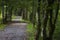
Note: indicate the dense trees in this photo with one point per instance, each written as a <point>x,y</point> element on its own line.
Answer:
<point>41,13</point>
<point>50,14</point>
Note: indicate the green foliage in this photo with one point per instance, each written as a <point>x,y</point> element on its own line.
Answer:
<point>30,31</point>
<point>2,26</point>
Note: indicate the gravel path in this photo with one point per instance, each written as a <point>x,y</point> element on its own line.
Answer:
<point>14,31</point>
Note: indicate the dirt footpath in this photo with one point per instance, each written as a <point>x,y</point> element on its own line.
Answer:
<point>14,31</point>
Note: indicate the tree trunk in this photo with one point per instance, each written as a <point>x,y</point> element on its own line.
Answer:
<point>34,13</point>
<point>45,20</point>
<point>9,13</point>
<point>6,15</point>
<point>23,13</point>
<point>52,24</point>
<point>26,14</point>
<point>39,22</point>
<point>3,12</point>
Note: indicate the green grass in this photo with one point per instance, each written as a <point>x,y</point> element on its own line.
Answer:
<point>2,26</point>
<point>30,31</point>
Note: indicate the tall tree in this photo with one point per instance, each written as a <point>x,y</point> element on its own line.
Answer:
<point>39,22</point>
<point>53,21</point>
